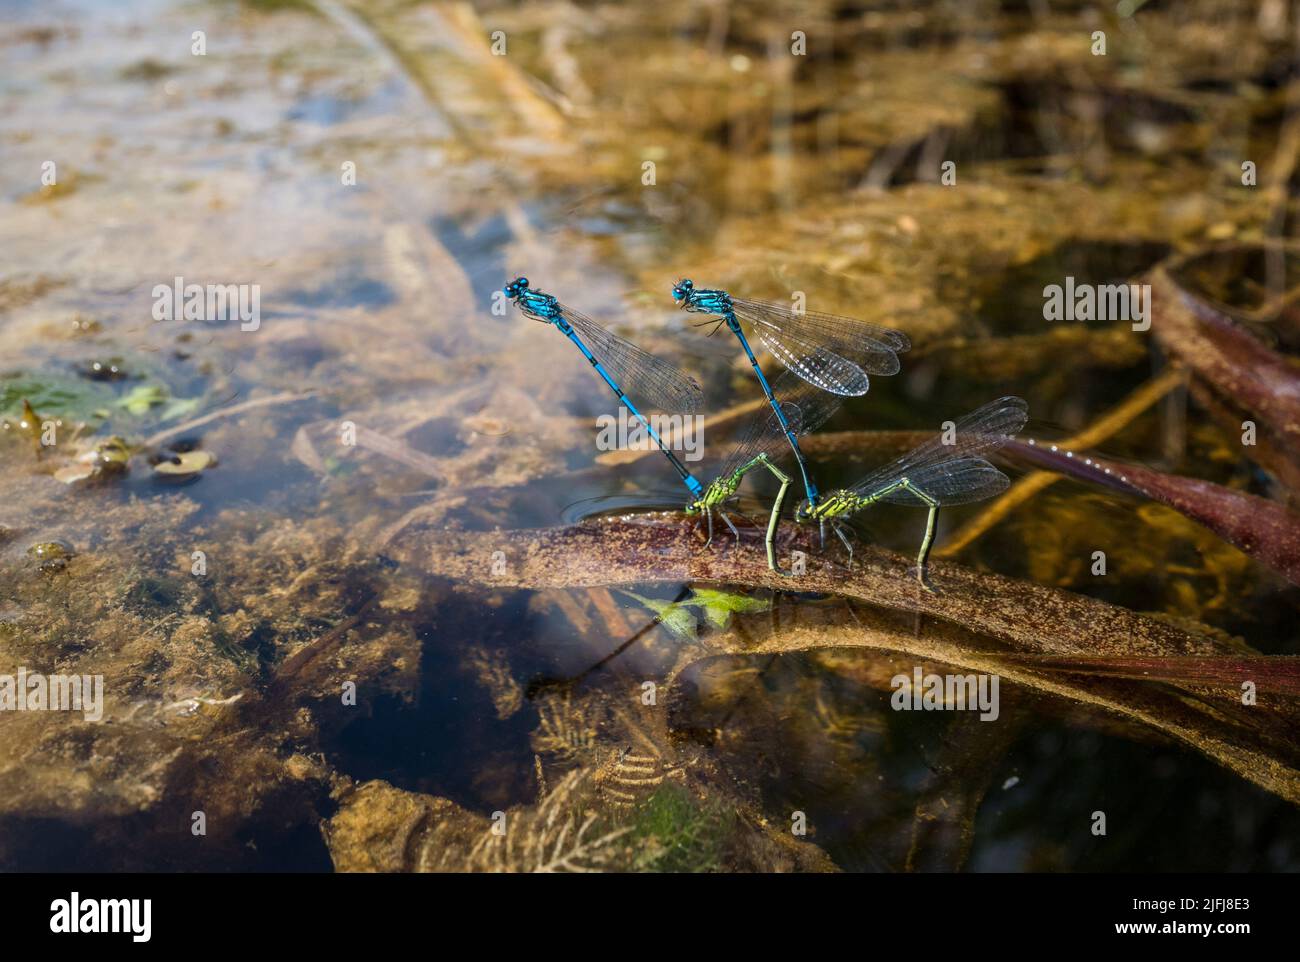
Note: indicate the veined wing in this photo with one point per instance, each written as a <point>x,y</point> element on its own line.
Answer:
<point>983,430</point>
<point>951,482</point>
<point>805,408</point>
<point>815,406</point>
<point>645,378</point>
<point>816,365</point>
<point>873,348</point>
<point>762,434</point>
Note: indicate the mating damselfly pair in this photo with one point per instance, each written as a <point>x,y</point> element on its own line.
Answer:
<point>826,359</point>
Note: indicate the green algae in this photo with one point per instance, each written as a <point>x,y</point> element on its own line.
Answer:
<point>678,833</point>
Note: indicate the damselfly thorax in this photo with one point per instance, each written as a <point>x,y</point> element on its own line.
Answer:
<point>831,505</point>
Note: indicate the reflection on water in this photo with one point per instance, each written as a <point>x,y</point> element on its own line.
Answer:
<point>379,174</point>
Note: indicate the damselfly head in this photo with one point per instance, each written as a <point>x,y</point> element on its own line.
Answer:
<point>803,512</point>
<point>516,287</point>
<point>682,290</point>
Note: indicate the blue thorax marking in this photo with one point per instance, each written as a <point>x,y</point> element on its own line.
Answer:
<point>543,307</point>
<point>709,302</point>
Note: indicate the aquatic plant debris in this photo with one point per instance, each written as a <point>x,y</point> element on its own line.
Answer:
<point>369,566</point>
<point>1253,380</point>
<point>1014,617</point>
<point>187,464</point>
<point>1262,528</point>
<point>715,606</point>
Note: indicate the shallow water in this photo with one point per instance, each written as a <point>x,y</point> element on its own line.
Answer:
<point>403,432</point>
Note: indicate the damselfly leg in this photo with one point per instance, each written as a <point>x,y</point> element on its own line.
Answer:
<point>838,527</point>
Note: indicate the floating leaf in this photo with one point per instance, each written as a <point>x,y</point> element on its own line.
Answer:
<point>184,465</point>
<point>53,395</point>
<point>142,398</point>
<point>180,407</point>
<point>673,615</point>
<point>718,606</point>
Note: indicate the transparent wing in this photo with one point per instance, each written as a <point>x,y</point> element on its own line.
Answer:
<point>762,434</point>
<point>815,406</point>
<point>983,430</point>
<point>645,378</point>
<point>874,349</point>
<point>951,482</point>
<point>816,365</point>
<point>805,408</point>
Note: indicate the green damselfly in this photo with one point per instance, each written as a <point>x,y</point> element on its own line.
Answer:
<point>946,470</point>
